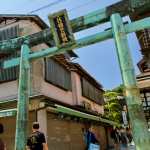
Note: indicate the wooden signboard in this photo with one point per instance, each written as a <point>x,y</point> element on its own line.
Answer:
<point>62,30</point>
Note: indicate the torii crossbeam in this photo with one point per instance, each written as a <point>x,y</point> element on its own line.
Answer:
<point>118,32</point>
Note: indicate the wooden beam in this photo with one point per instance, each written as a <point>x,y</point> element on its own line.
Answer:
<point>84,22</point>
<point>89,40</point>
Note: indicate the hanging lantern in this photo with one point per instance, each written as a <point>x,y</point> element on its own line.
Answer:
<point>60,115</point>
<point>67,117</point>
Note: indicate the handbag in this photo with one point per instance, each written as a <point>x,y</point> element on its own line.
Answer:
<point>93,146</point>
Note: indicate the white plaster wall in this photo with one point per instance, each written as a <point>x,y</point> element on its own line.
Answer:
<point>9,90</point>
<point>42,120</point>
<point>81,99</point>
<point>143,83</point>
<point>34,104</point>
<point>56,93</point>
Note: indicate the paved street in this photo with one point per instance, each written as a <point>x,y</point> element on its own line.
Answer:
<point>129,148</point>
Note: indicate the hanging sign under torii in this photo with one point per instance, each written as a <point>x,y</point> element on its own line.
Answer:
<point>61,28</point>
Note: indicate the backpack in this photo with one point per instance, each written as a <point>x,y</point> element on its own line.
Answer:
<point>112,134</point>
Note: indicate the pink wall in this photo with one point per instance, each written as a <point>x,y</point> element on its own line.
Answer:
<point>78,99</point>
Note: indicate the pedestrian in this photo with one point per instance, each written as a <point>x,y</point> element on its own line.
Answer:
<point>90,136</point>
<point>36,141</point>
<point>1,141</point>
<point>129,135</point>
<point>119,134</point>
<point>115,136</point>
<point>124,140</point>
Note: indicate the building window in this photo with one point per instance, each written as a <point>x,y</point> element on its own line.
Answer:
<point>92,92</point>
<point>12,73</point>
<point>57,75</point>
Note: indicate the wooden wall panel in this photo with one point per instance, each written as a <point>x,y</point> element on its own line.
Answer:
<point>92,92</point>
<point>100,132</point>
<point>77,138</point>
<point>57,75</point>
<point>9,124</point>
<point>9,74</point>
<point>58,137</point>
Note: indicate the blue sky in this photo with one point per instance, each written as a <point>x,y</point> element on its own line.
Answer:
<point>100,59</point>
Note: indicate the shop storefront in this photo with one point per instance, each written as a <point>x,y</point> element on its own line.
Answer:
<point>65,132</point>
<point>8,119</point>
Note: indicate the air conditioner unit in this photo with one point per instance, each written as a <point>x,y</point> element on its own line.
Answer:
<point>87,106</point>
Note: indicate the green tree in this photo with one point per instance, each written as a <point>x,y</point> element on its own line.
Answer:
<point>112,106</point>
<point>118,90</point>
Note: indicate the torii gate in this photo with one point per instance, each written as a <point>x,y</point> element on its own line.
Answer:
<point>118,32</point>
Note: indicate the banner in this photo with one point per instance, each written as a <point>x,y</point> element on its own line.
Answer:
<point>124,118</point>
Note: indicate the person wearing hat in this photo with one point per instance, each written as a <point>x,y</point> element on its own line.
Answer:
<point>90,134</point>
<point>1,141</point>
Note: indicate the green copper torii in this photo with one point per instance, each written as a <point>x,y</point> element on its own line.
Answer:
<point>23,100</point>
<point>132,94</point>
<point>119,32</point>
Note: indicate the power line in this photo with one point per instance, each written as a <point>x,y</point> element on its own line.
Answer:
<point>78,7</point>
<point>17,7</point>
<point>47,6</point>
<point>81,5</point>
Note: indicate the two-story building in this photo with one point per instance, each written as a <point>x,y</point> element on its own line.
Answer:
<point>64,98</point>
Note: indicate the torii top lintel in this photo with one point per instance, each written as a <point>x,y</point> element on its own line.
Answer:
<point>124,7</point>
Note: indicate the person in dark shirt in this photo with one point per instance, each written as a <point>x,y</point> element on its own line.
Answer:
<point>36,141</point>
<point>1,141</point>
<point>93,139</point>
<point>116,138</point>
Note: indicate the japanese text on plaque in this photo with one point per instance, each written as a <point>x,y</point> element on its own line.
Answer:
<point>62,30</point>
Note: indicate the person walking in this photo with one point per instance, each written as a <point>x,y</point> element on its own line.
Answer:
<point>36,141</point>
<point>124,139</point>
<point>129,135</point>
<point>115,136</point>
<point>1,141</point>
<point>92,139</point>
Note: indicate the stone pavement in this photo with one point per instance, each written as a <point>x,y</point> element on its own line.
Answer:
<point>129,147</point>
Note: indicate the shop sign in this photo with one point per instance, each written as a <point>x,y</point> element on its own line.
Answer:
<point>124,118</point>
<point>61,28</point>
<point>7,113</point>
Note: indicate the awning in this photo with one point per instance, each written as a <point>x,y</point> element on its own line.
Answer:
<point>81,114</point>
<point>8,112</point>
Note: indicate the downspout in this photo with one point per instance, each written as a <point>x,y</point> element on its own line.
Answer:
<point>41,109</point>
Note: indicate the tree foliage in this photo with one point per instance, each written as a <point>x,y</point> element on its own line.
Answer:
<point>112,105</point>
<point>118,90</point>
